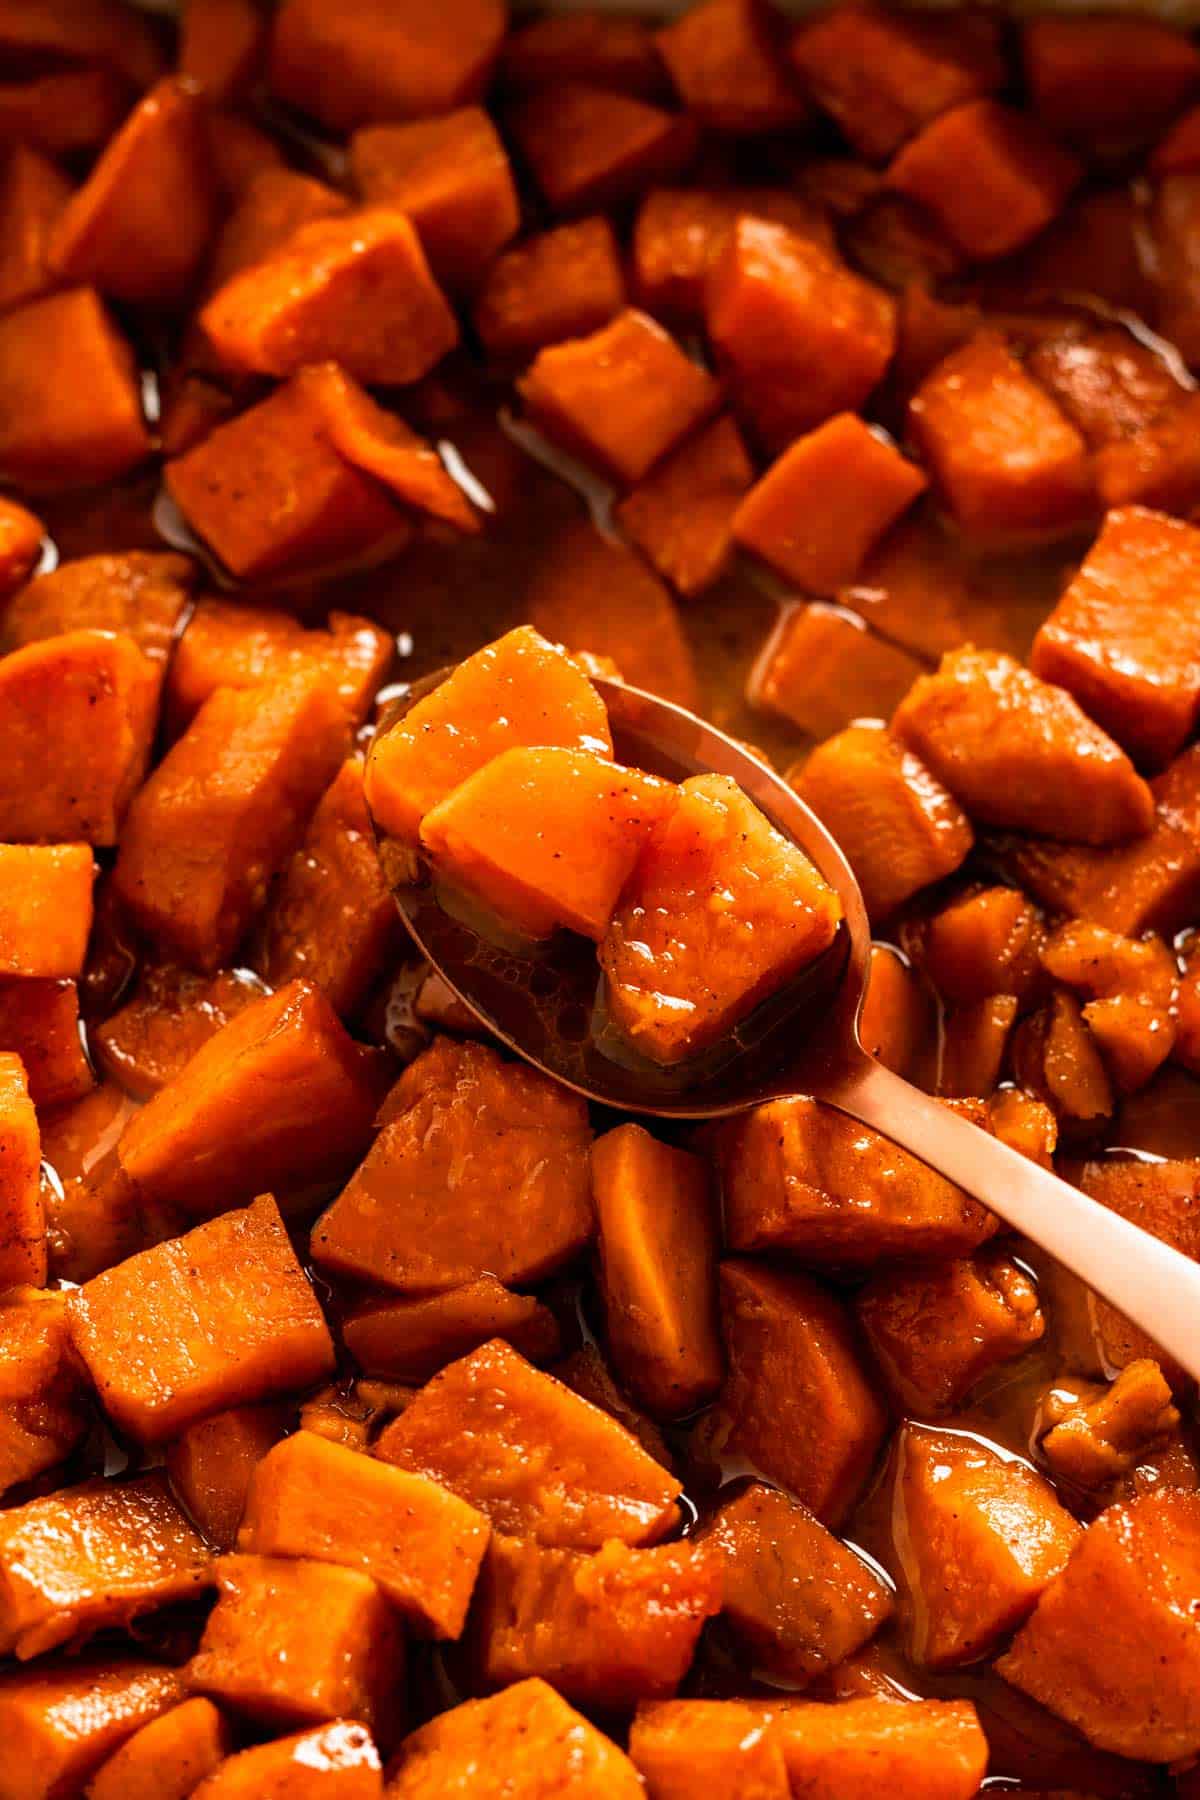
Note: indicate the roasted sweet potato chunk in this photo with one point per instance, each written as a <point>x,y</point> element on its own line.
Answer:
<point>724,1745</point>
<point>589,148</point>
<point>45,909</point>
<point>1096,1433</point>
<point>564,283</point>
<point>1109,384</point>
<point>211,1463</point>
<point>21,535</point>
<point>170,1015</point>
<point>525,1450</point>
<point>410,1340</point>
<point>227,645</point>
<point>611,50</point>
<point>22,1217</point>
<point>681,516</point>
<point>725,59</point>
<point>1162,1198</point>
<point>42,1414</point>
<point>1131,987</point>
<point>826,667</point>
<point>33,192</point>
<point>93,1222</point>
<point>68,1717</point>
<point>896,1018</point>
<point>986,942</point>
<point>330,1762</point>
<point>140,594</point>
<point>680,234</point>
<point>1156,465</point>
<point>1117,77</point>
<point>244,1324</point>
<point>167,1757</point>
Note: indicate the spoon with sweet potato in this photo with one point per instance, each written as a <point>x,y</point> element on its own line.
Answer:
<point>516,795</point>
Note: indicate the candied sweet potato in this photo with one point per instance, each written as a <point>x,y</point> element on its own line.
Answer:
<point>22,1216</point>
<point>588,148</point>
<point>228,645</point>
<point>45,909</point>
<point>1174,220</point>
<point>681,515</point>
<point>723,1746</point>
<point>87,31</point>
<point>1109,384</point>
<point>170,1014</point>
<point>825,667</point>
<point>563,283</point>
<point>1151,884</point>
<point>269,210</point>
<point>410,1340</point>
<point>680,234</point>
<point>1092,78</point>
<point>211,1463</point>
<point>338,1761</point>
<point>1157,465</point>
<point>91,1212</point>
<point>33,192</point>
<point>611,50</point>
<point>140,594</point>
<point>167,1757</point>
<point>896,1019</point>
<point>987,941</point>
<point>1055,1056</point>
<point>21,538</point>
<point>1161,1197</point>
<point>1132,987</point>
<point>1097,1433</point>
<point>243,1324</point>
<point>220,46</point>
<point>726,61</point>
<point>525,1450</point>
<point>42,1411</point>
<point>63,112</point>
<point>68,1717</point>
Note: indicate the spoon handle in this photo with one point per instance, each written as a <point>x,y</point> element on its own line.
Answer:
<point>1154,1285</point>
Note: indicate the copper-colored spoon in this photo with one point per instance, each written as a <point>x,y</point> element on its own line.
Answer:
<point>805,1040</point>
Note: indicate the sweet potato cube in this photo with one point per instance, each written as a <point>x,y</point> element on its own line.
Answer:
<point>21,537</point>
<point>171,1014</point>
<point>410,1340</point>
<point>1020,178</point>
<point>797,1402</point>
<point>680,234</point>
<point>818,510</point>
<point>419,1542</point>
<point>932,1748</point>
<point>525,1450</point>
<point>658,1268</point>
<point>85,426</point>
<point>1002,456</point>
<point>987,942</point>
<point>211,1463</point>
<point>895,821</point>
<point>220,46</point>
<point>974,1042</point>
<point>934,1332</point>
<point>330,1762</point>
<point>384,64</point>
<point>141,594</point>
<point>529,1728</point>
<point>1131,986</point>
<point>93,1556</point>
<point>68,1717</point>
<point>722,1746</point>
<point>217,1318</point>
<point>1098,1433</point>
<point>511,836</point>
<point>896,1020</point>
<point>480,1167</point>
<point>607,1630</point>
<point>726,62</point>
<point>33,192</point>
<point>1150,884</point>
<point>87,31</point>
<point>801,1177</point>
<point>167,1757</point>
<point>39,1022</point>
<point>22,1217</point>
<point>261,1655</point>
<point>679,972</point>
<point>1163,1198</point>
<point>518,690</point>
<point>93,1222</point>
<point>564,283</point>
<point>1091,78</point>
<point>1108,383</point>
<point>42,1412</point>
<point>681,516</point>
<point>271,208</point>
<point>590,150</point>
<point>1157,466</point>
<point>1114,1642</point>
<point>801,335</point>
<point>1125,637</point>
<point>826,667</point>
<point>139,227</point>
<point>229,645</point>
<point>587,1374</point>
<point>225,809</point>
<point>798,1599</point>
<point>45,908</point>
<point>611,50</point>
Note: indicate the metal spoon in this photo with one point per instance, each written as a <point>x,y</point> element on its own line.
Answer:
<point>543,1005</point>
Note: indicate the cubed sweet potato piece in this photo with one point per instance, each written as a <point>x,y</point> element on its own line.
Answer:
<point>279,1099</point>
<point>330,1762</point>
<point>986,942</point>
<point>726,62</point>
<point>1158,466</point>
<point>33,192</point>
<point>801,1177</point>
<point>1025,1124</point>
<point>1092,78</point>
<point>42,1411</point>
<point>221,43</point>
<point>796,1598</point>
<point>240,151</point>
<point>171,1013</point>
<point>518,690</point>
<point>818,510</point>
<point>897,1020</point>
<point>720,1746</point>
<point>94,1556</point>
<point>679,973</point>
<point>1055,1056</point>
<point>564,283</point>
<point>419,1542</point>
<point>93,1222</point>
<point>897,824</point>
<point>68,1717</point>
<point>681,516</point>
<point>1131,987</point>
<point>39,1022</point>
<point>1163,1198</point>
<point>217,1318</point>
<point>825,667</point>
<point>882,75</point>
<point>607,1629</point>
<point>974,1043</point>
<point>380,63</point>
<point>589,149</point>
<point>1109,384</point>
<point>801,335</point>
<point>225,809</point>
<point>261,1655</point>
<point>410,1340</point>
<point>658,1259</point>
<point>681,233</point>
<point>451,175</point>
<point>167,1757</point>
<point>480,1167</point>
<point>228,645</point>
<point>525,1450</point>
<point>211,1463</point>
<point>1095,1433</point>
<point>141,594</point>
<point>1114,1643</point>
<point>45,909</point>
<point>610,50</point>
<point>797,1403</point>
<point>1125,637</point>
<point>271,208</point>
<point>1150,884</point>
<point>86,425</point>
<point>935,1331</point>
<point>21,538</point>
<point>1020,178</point>
<point>511,834</point>
<point>22,1215</point>
<point>587,1374</point>
<point>1002,455</point>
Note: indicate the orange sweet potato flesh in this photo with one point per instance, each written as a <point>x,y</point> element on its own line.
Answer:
<point>589,149</point>
<point>987,942</point>
<point>718,1746</point>
<point>474,1748</point>
<point>896,1019</point>
<point>171,1013</point>
<point>512,836</point>
<point>45,909</point>
<point>480,1167</point>
<point>797,1403</point>
<point>210,1465</point>
<point>1162,1198</point>
<point>68,1717</point>
<point>219,1317</point>
<point>607,1630</point>
<point>800,1601</point>
<point>33,192</point>
<point>271,208</point>
<point>141,594</point>
<point>1151,884</point>
<point>679,974</point>
<point>21,534</point>
<point>1021,753</point>
<point>563,283</point>
<point>974,1041</point>
<point>1155,466</point>
<point>63,112</point>
<point>260,1654</point>
<point>419,1542</point>
<point>279,1098</point>
<point>681,233</point>
<point>42,1414</point>
<point>167,1757</point>
<point>587,1374</point>
<point>658,1264</point>
<point>331,1762</point>
<point>725,59</point>
<point>220,46</point>
<point>1114,1642</point>
<point>1092,77</point>
<point>1107,382</point>
<point>1132,987</point>
<point>224,810</point>
<point>93,1556</point>
<point>827,668</point>
<point>22,1217</point>
<point>612,51</point>
<point>801,1177</point>
<point>1055,1056</point>
<point>682,515</point>
<point>518,690</point>
<point>525,1450</point>
<point>897,824</point>
<point>410,1340</point>
<point>228,645</point>
<point>93,1223</point>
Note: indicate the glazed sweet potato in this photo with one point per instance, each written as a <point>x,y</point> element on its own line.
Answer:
<point>1131,987</point>
<point>42,1412</point>
<point>140,594</point>
<point>725,58</point>
<point>588,148</point>
<point>1093,78</point>
<point>896,1018</point>
<point>610,50</point>
<point>227,645</point>
<point>220,46</point>
<point>410,1340</point>
<point>1156,465</point>
<point>681,233</point>
<point>91,1212</point>
<point>563,283</point>
<point>211,1464</point>
<point>33,192</point>
<point>1161,1197</point>
<point>45,909</point>
<point>69,1717</point>
<point>22,1217</point>
<point>244,1324</point>
<point>331,1762</point>
<point>1109,384</point>
<point>681,516</point>
<point>1096,1433</point>
<point>986,942</point>
<point>21,535</point>
<point>825,667</point>
<point>723,1745</point>
<point>167,1757</point>
<point>65,112</point>
<point>171,1014</point>
<point>587,1374</point>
